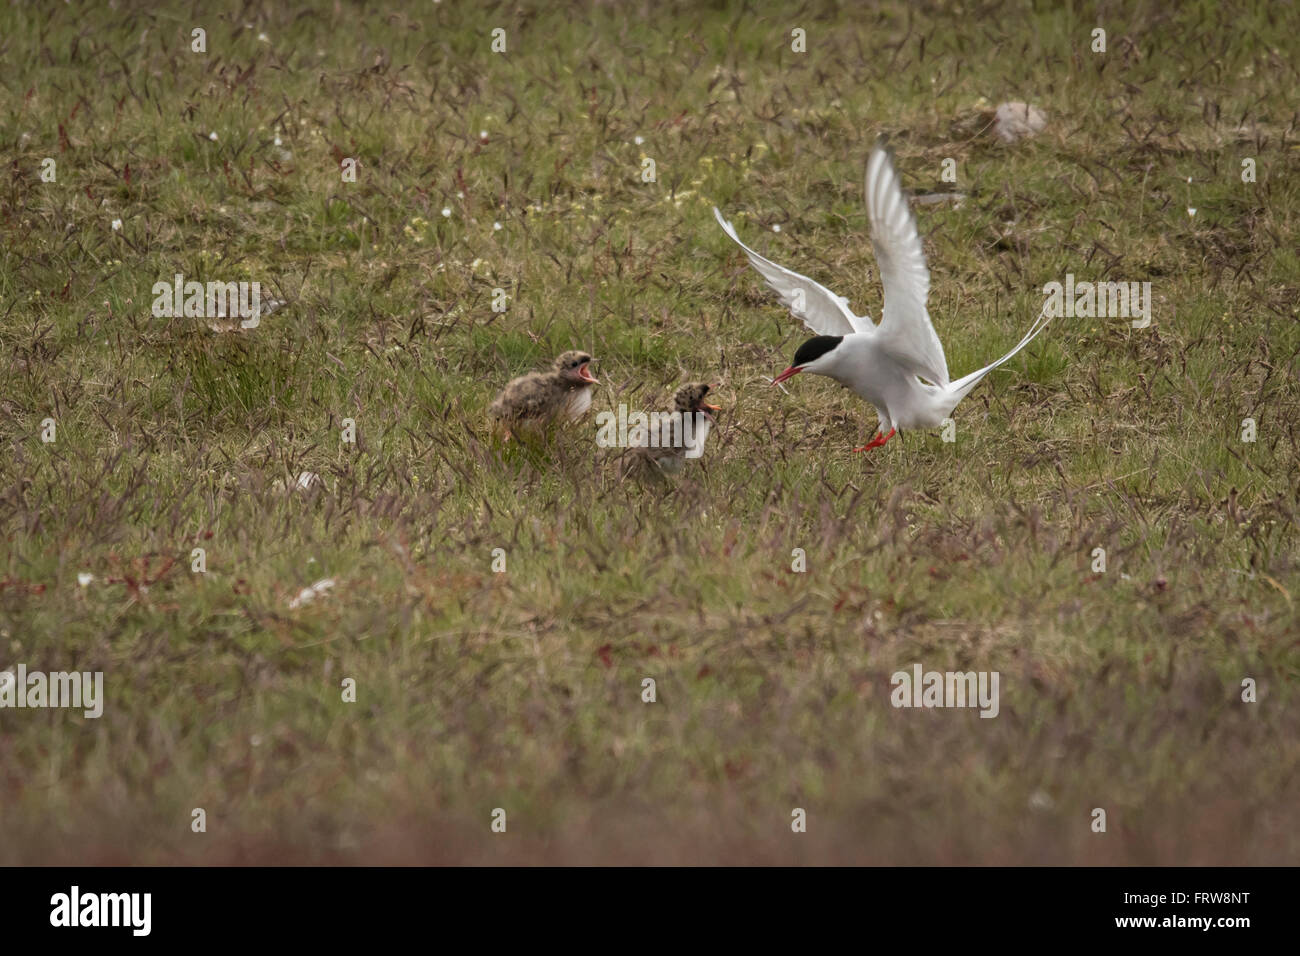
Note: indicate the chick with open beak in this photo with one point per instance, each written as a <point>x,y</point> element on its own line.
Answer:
<point>536,401</point>
<point>683,437</point>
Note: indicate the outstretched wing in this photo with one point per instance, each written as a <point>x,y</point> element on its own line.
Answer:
<point>905,331</point>
<point>820,309</point>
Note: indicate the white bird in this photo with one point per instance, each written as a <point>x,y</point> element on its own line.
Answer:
<point>884,363</point>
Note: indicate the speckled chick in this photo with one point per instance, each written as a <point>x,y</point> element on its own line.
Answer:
<point>685,442</point>
<point>534,402</point>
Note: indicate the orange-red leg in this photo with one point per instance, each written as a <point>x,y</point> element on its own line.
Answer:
<point>876,442</point>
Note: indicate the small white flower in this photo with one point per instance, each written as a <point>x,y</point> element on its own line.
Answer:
<point>84,579</point>
<point>638,140</point>
<point>1191,211</point>
<point>117,225</point>
<point>482,134</point>
<point>264,38</point>
<point>213,136</point>
<point>446,212</point>
<point>277,141</point>
<point>307,595</point>
<point>306,480</point>
<point>1040,800</point>
<point>459,194</point>
<point>496,227</point>
<point>776,227</point>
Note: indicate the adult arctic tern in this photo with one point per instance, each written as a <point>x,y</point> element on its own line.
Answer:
<point>884,363</point>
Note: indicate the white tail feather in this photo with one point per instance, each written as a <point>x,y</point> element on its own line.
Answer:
<point>959,389</point>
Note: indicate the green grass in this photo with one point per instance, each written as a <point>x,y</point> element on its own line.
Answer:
<point>522,690</point>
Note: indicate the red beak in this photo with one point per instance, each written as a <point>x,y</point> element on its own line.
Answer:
<point>791,372</point>
<point>586,376</point>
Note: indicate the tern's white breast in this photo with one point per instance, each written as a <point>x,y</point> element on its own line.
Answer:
<point>578,403</point>
<point>904,401</point>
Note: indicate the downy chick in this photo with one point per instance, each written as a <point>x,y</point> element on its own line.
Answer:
<point>534,402</point>
<point>683,438</point>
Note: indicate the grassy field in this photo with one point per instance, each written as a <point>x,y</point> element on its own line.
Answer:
<point>522,690</point>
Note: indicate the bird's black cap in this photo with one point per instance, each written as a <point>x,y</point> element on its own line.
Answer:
<point>815,348</point>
